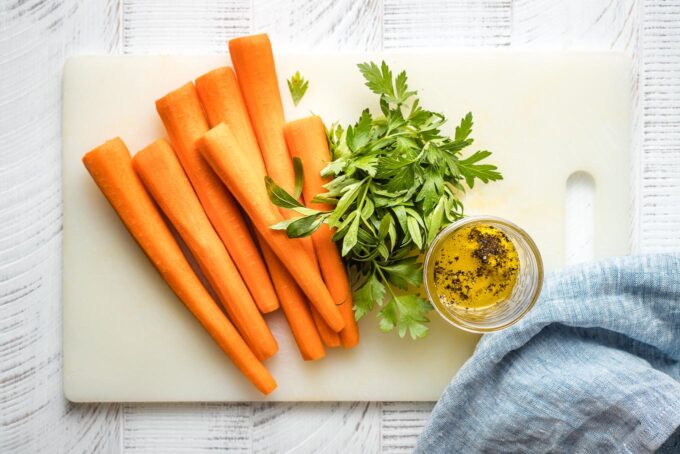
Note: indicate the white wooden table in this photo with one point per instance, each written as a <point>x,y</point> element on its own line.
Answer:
<point>37,35</point>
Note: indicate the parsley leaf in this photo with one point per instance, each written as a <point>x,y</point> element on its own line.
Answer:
<point>412,319</point>
<point>279,196</point>
<point>378,78</point>
<point>405,273</point>
<point>414,231</point>
<point>402,89</point>
<point>359,135</point>
<point>371,292</point>
<point>388,317</point>
<point>406,313</point>
<point>297,85</point>
<point>484,172</point>
<point>303,226</point>
<point>464,129</point>
<point>333,168</point>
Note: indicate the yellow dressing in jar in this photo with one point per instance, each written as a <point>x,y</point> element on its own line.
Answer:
<point>476,267</point>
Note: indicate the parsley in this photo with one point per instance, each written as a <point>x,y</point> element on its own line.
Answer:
<point>297,85</point>
<point>396,181</point>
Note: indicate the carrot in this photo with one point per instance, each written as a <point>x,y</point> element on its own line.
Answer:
<point>306,139</point>
<point>110,165</point>
<point>294,308</point>
<point>253,61</point>
<point>330,337</point>
<point>239,173</point>
<point>221,98</point>
<point>185,122</point>
<point>164,178</point>
<point>254,65</point>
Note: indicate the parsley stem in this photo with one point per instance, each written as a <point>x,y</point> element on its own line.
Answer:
<point>384,279</point>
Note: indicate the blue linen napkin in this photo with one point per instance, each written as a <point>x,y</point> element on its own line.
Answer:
<point>593,367</point>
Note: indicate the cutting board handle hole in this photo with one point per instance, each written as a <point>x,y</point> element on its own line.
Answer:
<point>579,214</point>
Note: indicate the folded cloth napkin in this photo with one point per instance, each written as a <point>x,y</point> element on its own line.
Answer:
<point>593,367</point>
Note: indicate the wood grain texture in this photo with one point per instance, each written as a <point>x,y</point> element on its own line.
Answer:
<point>402,423</point>
<point>186,428</point>
<point>341,427</point>
<point>584,24</point>
<point>320,25</point>
<point>446,23</point>
<point>35,37</point>
<point>660,90</point>
<point>38,34</point>
<point>184,26</point>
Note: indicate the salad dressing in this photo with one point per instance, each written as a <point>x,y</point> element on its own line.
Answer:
<point>475,268</point>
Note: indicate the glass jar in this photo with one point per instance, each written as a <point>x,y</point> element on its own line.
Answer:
<point>504,313</point>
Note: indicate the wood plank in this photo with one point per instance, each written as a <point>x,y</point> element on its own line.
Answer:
<point>660,91</point>
<point>402,423</point>
<point>587,24</point>
<point>184,26</point>
<point>186,428</point>
<point>320,25</point>
<point>35,38</point>
<point>440,23</point>
<point>316,427</point>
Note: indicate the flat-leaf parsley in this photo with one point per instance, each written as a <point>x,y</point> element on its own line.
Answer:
<point>396,182</point>
<point>297,85</point>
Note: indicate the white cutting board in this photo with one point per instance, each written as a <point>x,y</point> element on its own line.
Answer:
<point>128,338</point>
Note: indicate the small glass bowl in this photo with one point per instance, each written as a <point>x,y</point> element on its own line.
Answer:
<point>523,296</point>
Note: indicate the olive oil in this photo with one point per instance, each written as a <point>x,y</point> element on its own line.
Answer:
<point>476,267</point>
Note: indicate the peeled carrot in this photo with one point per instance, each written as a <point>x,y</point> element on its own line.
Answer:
<point>164,178</point>
<point>111,168</point>
<point>222,101</point>
<point>185,122</point>
<point>294,308</point>
<point>239,173</point>
<point>221,98</point>
<point>253,61</point>
<point>306,139</point>
<point>330,337</point>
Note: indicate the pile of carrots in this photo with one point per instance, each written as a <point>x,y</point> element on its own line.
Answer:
<point>226,132</point>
